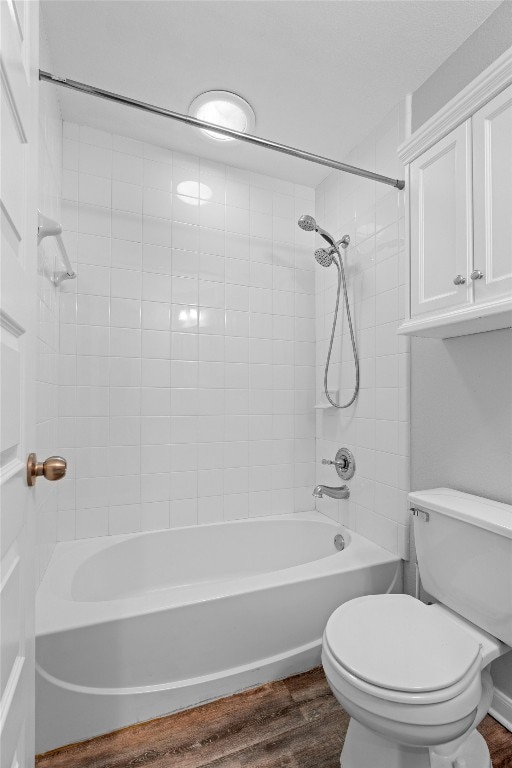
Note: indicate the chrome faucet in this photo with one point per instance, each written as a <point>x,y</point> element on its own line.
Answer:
<point>345,466</point>
<point>343,492</point>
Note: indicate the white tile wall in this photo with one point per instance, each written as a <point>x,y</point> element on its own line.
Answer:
<point>187,344</point>
<point>376,427</point>
<point>47,364</point>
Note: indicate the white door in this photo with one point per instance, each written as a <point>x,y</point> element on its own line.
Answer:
<point>441,221</point>
<point>18,185</point>
<point>492,168</point>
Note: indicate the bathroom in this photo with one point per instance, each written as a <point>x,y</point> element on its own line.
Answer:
<point>239,466</point>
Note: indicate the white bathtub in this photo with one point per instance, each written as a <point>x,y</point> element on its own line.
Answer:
<point>137,626</point>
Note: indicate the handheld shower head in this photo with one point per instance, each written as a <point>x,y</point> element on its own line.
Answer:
<point>324,256</point>
<point>308,224</point>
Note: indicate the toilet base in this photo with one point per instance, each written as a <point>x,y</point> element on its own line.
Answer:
<point>364,747</point>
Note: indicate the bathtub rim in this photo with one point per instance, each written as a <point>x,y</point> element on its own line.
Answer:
<point>55,613</point>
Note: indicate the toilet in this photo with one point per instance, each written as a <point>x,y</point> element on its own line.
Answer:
<point>415,677</point>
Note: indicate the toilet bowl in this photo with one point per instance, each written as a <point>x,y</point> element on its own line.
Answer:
<point>409,672</point>
<point>415,677</point>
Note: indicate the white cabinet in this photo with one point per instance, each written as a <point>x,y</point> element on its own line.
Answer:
<point>459,213</point>
<point>492,176</point>
<point>440,225</point>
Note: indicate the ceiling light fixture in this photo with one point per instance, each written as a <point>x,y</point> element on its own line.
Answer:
<point>226,109</point>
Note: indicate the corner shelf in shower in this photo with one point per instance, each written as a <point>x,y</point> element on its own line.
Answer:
<point>325,404</point>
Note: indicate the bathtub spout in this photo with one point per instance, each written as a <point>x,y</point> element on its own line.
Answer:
<point>342,492</point>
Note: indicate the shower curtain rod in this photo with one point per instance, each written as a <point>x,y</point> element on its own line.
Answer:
<point>74,85</point>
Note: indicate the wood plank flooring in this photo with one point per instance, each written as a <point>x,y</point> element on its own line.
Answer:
<point>292,723</point>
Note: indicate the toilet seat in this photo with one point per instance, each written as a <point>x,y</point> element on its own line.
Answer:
<point>396,648</point>
<point>429,708</point>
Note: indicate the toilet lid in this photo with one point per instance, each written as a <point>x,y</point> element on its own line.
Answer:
<point>398,643</point>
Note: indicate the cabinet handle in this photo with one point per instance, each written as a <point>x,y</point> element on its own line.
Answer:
<point>476,274</point>
<point>459,280</point>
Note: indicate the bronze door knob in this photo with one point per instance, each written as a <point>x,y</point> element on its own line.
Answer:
<point>54,468</point>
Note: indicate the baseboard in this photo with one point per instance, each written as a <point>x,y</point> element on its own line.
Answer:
<point>501,709</point>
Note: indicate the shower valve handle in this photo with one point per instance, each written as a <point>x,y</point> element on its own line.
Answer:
<point>342,464</point>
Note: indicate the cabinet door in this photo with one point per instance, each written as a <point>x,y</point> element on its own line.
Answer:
<point>441,241</point>
<point>492,164</point>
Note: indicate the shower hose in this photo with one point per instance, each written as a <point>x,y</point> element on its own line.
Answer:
<point>342,280</point>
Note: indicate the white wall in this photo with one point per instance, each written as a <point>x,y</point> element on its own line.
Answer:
<point>484,46</point>
<point>462,414</point>
<point>50,162</point>
<point>187,341</point>
<point>376,427</point>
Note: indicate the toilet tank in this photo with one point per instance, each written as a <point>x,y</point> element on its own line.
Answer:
<point>464,550</point>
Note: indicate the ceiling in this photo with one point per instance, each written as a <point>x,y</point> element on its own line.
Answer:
<point>319,74</point>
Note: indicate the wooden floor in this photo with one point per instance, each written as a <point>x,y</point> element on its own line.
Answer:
<point>293,723</point>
